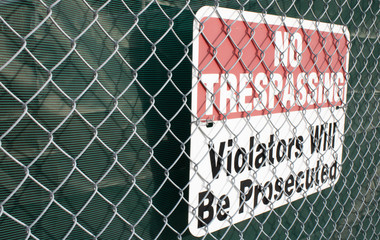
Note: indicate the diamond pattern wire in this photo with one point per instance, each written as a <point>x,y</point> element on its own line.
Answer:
<point>96,120</point>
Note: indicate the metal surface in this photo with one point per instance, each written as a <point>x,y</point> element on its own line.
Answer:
<point>95,119</point>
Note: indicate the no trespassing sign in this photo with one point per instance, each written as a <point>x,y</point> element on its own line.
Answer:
<point>268,113</point>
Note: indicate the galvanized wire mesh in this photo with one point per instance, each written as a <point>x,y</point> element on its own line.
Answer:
<point>97,119</point>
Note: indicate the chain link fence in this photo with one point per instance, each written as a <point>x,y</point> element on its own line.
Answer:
<point>104,134</point>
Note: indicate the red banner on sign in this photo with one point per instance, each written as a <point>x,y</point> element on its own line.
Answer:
<point>250,69</point>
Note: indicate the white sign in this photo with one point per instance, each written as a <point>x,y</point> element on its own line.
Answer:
<point>268,113</point>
